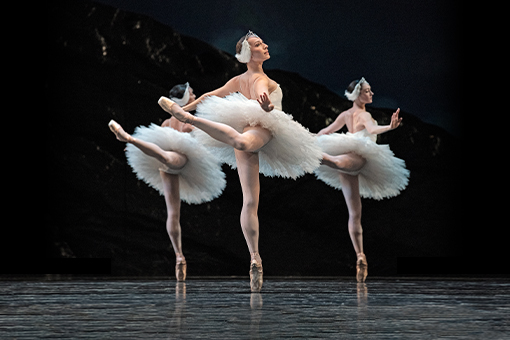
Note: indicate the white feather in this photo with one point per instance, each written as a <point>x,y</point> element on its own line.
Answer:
<point>245,54</point>
<point>357,90</point>
<point>185,98</point>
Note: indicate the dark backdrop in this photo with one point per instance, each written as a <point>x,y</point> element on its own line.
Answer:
<point>105,63</point>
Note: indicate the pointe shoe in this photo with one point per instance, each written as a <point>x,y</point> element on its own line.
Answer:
<point>167,105</point>
<point>256,274</point>
<point>180,269</point>
<point>361,268</point>
<point>122,135</point>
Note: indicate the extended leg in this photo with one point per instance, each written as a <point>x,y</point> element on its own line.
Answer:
<point>252,138</point>
<point>171,159</point>
<point>173,226</point>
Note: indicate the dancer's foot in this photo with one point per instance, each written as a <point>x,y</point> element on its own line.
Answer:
<point>361,268</point>
<point>176,111</point>
<point>256,272</point>
<point>180,267</point>
<point>122,135</point>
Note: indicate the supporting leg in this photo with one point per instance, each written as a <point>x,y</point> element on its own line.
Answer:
<point>248,170</point>
<point>350,189</point>
<point>173,226</point>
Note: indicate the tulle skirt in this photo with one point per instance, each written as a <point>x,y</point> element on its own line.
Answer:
<point>200,180</point>
<point>292,152</point>
<point>383,174</point>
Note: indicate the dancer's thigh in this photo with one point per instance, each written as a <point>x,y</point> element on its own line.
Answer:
<point>171,190</point>
<point>350,190</point>
<point>248,170</point>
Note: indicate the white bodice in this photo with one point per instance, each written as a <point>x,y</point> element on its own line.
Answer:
<point>276,98</point>
<point>365,133</point>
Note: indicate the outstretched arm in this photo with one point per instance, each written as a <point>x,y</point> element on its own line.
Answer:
<point>230,87</point>
<point>335,126</point>
<point>374,129</point>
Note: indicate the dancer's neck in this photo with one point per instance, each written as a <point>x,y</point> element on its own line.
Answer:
<point>359,105</point>
<point>255,67</point>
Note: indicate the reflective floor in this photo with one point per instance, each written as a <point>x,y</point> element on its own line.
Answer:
<point>286,308</point>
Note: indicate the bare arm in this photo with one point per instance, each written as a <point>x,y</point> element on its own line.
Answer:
<point>230,87</point>
<point>374,129</point>
<point>335,126</point>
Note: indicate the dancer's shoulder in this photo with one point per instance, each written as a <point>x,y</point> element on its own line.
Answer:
<point>364,116</point>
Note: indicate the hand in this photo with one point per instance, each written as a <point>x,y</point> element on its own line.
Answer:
<point>395,121</point>
<point>265,102</point>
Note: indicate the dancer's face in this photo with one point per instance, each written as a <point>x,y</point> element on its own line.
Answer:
<point>259,50</point>
<point>366,94</point>
<point>192,96</point>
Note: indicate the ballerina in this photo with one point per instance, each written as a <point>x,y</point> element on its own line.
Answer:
<point>181,94</point>
<point>243,124</point>
<point>171,161</point>
<point>354,163</point>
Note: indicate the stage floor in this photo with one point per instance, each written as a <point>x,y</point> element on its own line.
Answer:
<point>286,308</point>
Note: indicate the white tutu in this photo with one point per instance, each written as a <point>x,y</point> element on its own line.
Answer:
<point>383,174</point>
<point>200,180</point>
<point>292,152</point>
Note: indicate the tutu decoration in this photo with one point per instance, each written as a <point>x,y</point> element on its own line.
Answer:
<point>383,174</point>
<point>293,150</point>
<point>200,180</point>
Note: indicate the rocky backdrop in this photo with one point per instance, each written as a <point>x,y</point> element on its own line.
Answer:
<point>103,63</point>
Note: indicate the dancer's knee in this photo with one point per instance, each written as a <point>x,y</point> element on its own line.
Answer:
<point>355,224</point>
<point>252,139</point>
<point>355,231</point>
<point>174,160</point>
<point>355,162</point>
<point>346,163</point>
<point>341,163</point>
<point>172,221</point>
<point>355,218</point>
<point>242,143</point>
<point>349,162</point>
<point>250,206</point>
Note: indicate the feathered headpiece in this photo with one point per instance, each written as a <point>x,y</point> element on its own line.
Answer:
<point>185,98</point>
<point>357,90</point>
<point>245,54</point>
